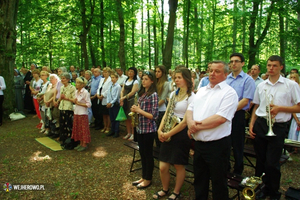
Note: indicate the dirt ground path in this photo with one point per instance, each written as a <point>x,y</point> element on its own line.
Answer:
<point>100,172</point>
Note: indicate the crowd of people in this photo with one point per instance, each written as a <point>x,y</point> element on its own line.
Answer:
<point>179,109</point>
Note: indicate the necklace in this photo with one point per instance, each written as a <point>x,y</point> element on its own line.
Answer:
<point>181,95</point>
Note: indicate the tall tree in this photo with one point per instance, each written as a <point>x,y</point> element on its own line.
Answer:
<point>149,35</point>
<point>186,33</point>
<point>234,27</point>
<point>167,55</point>
<point>102,33</point>
<point>254,46</point>
<point>155,35</point>
<point>8,21</point>
<point>281,31</point>
<point>162,29</point>
<point>86,25</point>
<point>121,53</point>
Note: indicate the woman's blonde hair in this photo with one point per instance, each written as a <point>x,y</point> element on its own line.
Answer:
<point>36,71</point>
<point>108,69</point>
<point>81,80</point>
<point>44,73</point>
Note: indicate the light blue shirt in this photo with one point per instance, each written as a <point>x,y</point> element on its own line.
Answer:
<point>94,85</point>
<point>203,82</point>
<point>258,81</point>
<point>113,93</point>
<point>244,86</point>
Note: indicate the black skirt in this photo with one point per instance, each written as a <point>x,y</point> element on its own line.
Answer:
<point>177,150</point>
<point>104,110</point>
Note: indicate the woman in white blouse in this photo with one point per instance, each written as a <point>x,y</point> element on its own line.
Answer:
<point>103,87</point>
<point>2,87</point>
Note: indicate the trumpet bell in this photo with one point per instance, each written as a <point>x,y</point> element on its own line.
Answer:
<point>270,134</point>
<point>248,193</point>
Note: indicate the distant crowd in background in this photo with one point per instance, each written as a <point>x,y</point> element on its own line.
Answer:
<point>179,109</point>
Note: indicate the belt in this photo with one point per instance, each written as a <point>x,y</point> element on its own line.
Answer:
<point>265,118</point>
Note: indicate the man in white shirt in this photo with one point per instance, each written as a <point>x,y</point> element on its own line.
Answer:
<point>122,78</point>
<point>284,97</point>
<point>209,121</point>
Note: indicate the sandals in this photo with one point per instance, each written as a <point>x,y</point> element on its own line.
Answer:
<point>158,196</point>
<point>176,196</point>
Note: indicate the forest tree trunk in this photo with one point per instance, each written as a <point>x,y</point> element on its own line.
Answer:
<point>8,34</point>
<point>254,46</point>
<point>167,56</point>
<point>121,53</point>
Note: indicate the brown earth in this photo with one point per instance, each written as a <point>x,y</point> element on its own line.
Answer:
<point>100,172</point>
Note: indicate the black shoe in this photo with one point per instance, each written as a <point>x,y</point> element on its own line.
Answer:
<point>116,136</point>
<point>111,134</point>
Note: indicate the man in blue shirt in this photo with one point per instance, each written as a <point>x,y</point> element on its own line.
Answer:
<point>244,86</point>
<point>95,106</point>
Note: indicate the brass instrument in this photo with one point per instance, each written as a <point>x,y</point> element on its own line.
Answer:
<point>251,184</point>
<point>270,120</point>
<point>170,119</point>
<point>133,115</point>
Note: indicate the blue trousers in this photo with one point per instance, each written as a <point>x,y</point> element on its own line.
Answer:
<point>113,112</point>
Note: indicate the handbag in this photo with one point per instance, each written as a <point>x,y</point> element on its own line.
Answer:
<point>121,115</point>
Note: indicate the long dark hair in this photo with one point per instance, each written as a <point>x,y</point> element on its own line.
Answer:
<point>152,88</point>
<point>187,76</point>
<point>161,81</point>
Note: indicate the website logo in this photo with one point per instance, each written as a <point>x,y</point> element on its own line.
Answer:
<point>7,187</point>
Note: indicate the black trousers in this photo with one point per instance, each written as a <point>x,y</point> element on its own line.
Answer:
<point>97,113</point>
<point>145,142</point>
<point>238,141</point>
<point>211,161</point>
<point>268,152</point>
<point>1,108</point>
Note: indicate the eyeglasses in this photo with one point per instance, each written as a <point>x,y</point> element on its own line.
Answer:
<point>235,61</point>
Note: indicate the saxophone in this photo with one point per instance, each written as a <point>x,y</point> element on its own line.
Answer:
<point>133,115</point>
<point>170,120</point>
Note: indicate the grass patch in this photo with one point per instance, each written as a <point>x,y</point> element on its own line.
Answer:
<point>74,195</point>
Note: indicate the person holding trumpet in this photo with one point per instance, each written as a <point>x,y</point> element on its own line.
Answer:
<point>271,118</point>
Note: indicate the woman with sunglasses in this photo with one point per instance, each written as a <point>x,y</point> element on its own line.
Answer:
<point>147,110</point>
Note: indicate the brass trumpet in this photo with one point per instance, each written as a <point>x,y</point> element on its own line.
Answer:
<point>270,120</point>
<point>251,184</point>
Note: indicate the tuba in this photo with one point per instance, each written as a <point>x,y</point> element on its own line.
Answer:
<point>251,184</point>
<point>270,120</point>
<point>170,120</point>
<point>133,115</point>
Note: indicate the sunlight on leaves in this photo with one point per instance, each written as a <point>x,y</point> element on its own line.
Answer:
<point>36,157</point>
<point>100,152</point>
